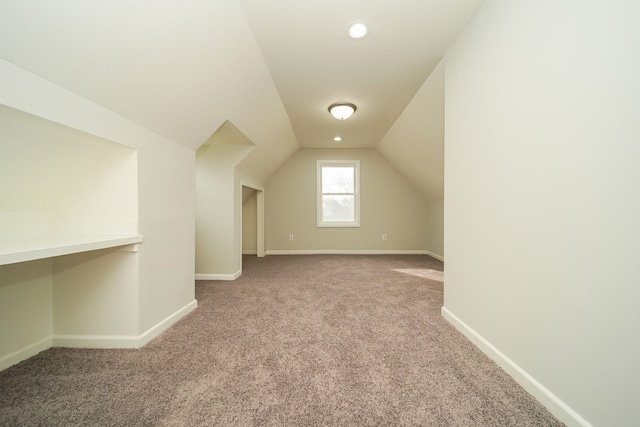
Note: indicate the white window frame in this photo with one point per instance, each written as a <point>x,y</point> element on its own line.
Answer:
<point>338,163</point>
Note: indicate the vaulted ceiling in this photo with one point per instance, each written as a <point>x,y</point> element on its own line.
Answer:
<point>183,69</point>
<point>315,63</point>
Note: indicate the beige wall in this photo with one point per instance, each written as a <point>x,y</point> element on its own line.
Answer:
<point>542,201</point>
<point>95,293</point>
<point>389,205</point>
<point>26,308</point>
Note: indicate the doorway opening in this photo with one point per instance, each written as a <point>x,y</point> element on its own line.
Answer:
<point>252,220</point>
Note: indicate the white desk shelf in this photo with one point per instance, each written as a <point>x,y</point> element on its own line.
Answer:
<point>21,250</point>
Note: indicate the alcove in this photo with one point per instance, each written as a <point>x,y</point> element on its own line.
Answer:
<point>68,236</point>
<point>63,191</point>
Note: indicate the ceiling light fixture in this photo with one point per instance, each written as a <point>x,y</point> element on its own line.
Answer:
<point>358,30</point>
<point>342,110</point>
<point>337,139</point>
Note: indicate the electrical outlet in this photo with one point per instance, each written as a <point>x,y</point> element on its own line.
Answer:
<point>290,236</point>
<point>384,237</point>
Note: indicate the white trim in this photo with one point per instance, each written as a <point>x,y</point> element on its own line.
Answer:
<point>259,217</point>
<point>260,224</point>
<point>250,252</point>
<point>24,353</point>
<point>552,402</point>
<point>233,276</point>
<point>96,341</point>
<point>20,250</point>
<point>434,255</point>
<point>165,324</point>
<point>320,222</point>
<point>347,252</point>
<point>123,341</point>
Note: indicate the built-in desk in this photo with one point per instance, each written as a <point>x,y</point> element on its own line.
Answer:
<point>69,271</point>
<point>29,249</point>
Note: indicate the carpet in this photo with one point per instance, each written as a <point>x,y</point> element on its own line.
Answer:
<point>305,340</point>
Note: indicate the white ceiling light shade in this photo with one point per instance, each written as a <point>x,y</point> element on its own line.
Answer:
<point>342,110</point>
<point>337,139</point>
<point>358,30</point>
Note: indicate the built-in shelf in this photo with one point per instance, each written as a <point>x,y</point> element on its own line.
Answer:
<point>21,250</point>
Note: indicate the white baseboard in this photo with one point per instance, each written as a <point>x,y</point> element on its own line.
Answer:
<point>233,276</point>
<point>24,353</point>
<point>123,341</point>
<point>250,252</point>
<point>557,407</point>
<point>345,252</point>
<point>96,341</point>
<point>434,255</point>
<point>165,324</point>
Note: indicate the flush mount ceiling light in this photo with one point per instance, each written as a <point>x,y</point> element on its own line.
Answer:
<point>337,139</point>
<point>358,30</point>
<point>342,110</point>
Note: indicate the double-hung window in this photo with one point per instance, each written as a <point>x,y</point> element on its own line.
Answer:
<point>338,193</point>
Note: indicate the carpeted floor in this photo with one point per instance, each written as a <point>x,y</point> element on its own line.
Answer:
<point>322,340</point>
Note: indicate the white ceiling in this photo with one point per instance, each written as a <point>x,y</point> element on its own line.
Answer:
<point>314,62</point>
<point>270,68</point>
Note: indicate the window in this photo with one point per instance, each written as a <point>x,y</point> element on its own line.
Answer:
<point>338,193</point>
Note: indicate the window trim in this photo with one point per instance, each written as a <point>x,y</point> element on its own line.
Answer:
<point>339,163</point>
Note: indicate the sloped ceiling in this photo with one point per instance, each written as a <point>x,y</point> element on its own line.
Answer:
<point>272,68</point>
<point>41,162</point>
<point>180,69</point>
<point>415,142</point>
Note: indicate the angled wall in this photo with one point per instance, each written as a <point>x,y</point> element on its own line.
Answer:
<point>414,145</point>
<point>415,142</point>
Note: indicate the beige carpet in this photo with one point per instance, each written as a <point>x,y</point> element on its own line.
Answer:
<point>296,341</point>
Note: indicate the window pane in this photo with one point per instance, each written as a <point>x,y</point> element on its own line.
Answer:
<point>338,208</point>
<point>337,179</point>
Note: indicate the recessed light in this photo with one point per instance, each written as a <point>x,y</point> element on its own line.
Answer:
<point>358,30</point>
<point>337,139</point>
